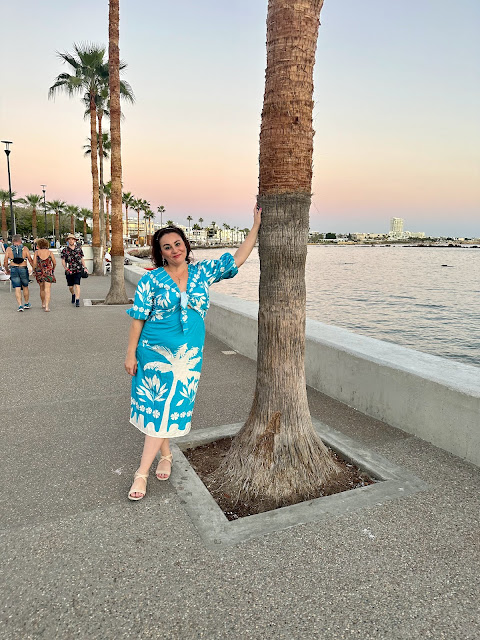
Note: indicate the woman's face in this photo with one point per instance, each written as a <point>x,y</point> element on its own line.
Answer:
<point>173,249</point>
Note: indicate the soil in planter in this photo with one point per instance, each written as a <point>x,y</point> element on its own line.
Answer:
<point>102,302</point>
<point>206,458</point>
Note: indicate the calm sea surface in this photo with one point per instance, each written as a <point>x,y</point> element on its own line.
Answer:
<point>399,294</point>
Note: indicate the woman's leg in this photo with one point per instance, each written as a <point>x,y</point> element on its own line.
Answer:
<point>42,293</point>
<point>18,295</point>
<point>46,294</point>
<point>151,447</point>
<point>165,466</point>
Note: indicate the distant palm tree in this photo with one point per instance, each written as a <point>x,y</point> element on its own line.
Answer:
<point>103,106</point>
<point>107,191</point>
<point>189,218</point>
<point>5,197</point>
<point>128,200</point>
<point>58,207</point>
<point>137,205</point>
<point>73,211</point>
<point>85,214</point>
<point>88,79</point>
<point>148,216</point>
<point>200,220</point>
<point>169,223</point>
<point>161,211</point>
<point>32,200</point>
<point>106,146</point>
<point>145,208</point>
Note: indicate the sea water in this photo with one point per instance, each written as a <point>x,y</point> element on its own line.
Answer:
<point>424,298</point>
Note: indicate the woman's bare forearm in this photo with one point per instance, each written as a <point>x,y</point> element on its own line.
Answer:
<point>245,249</point>
<point>134,335</point>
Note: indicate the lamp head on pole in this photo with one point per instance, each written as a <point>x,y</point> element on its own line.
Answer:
<point>7,144</point>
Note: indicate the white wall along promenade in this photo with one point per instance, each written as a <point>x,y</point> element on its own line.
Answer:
<point>435,399</point>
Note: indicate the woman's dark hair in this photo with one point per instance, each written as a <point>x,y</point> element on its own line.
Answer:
<point>157,257</point>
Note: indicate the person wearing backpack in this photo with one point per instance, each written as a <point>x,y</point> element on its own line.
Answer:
<point>15,263</point>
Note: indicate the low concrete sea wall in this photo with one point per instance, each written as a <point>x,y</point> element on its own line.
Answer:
<point>435,399</point>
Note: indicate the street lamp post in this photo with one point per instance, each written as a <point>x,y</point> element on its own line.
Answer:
<point>44,208</point>
<point>7,144</point>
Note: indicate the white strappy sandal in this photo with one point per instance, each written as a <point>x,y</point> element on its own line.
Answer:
<point>169,458</point>
<point>137,475</point>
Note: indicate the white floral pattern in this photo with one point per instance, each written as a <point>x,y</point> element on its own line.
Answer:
<point>170,348</point>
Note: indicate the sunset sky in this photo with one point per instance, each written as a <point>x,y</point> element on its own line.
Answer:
<point>397,104</point>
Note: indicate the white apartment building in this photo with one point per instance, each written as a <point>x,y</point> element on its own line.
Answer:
<point>396,228</point>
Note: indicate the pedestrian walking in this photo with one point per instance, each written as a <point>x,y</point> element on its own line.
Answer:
<point>165,344</point>
<point>44,264</point>
<point>16,261</point>
<point>73,262</point>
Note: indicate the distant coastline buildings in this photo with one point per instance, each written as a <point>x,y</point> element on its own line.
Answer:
<point>397,233</point>
<point>140,230</point>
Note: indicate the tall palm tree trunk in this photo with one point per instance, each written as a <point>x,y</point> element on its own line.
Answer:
<point>107,221</point>
<point>84,229</point>
<point>57,225</point>
<point>138,227</point>
<point>96,245</point>
<point>72,224</point>
<point>103,235</point>
<point>126,220</point>
<point>277,455</point>
<point>34,222</point>
<point>117,293</point>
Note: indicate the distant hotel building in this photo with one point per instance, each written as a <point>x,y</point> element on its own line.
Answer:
<point>396,227</point>
<point>397,232</point>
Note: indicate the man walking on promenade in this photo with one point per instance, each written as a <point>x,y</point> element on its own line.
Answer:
<point>73,263</point>
<point>18,255</point>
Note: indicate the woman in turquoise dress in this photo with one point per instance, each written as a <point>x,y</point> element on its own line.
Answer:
<point>165,346</point>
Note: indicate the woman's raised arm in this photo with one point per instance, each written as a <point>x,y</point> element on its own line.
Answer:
<point>245,249</point>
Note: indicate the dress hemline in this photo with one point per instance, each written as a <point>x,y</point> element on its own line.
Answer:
<point>156,434</point>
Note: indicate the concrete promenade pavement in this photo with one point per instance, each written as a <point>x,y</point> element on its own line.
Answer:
<point>81,561</point>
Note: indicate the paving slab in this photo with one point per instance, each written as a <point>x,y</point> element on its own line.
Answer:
<point>80,561</point>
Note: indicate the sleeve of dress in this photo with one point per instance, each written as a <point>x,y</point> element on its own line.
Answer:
<point>220,269</point>
<point>143,301</point>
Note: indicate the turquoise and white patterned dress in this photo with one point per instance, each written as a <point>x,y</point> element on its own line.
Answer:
<point>170,348</point>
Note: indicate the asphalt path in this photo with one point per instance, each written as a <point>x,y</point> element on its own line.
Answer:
<point>81,561</point>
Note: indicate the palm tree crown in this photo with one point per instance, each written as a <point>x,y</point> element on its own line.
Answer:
<point>89,70</point>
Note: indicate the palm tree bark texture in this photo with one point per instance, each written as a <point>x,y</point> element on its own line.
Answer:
<point>277,455</point>
<point>117,293</point>
<point>97,249</point>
